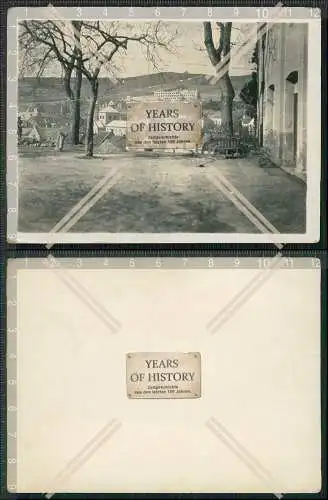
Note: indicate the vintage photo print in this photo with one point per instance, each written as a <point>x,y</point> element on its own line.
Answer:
<point>184,378</point>
<point>164,125</point>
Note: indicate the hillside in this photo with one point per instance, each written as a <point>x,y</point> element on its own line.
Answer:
<point>46,90</point>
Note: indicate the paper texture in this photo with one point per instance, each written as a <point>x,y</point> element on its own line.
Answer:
<point>256,427</point>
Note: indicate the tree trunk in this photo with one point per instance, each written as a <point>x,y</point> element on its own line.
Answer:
<point>216,56</point>
<point>76,109</point>
<point>90,119</point>
<point>71,96</point>
<point>228,95</point>
<point>19,129</point>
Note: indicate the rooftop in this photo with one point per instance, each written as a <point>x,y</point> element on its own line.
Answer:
<point>108,109</point>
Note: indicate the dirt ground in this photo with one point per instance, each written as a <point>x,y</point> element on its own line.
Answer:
<point>155,194</point>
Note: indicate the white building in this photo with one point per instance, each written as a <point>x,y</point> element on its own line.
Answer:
<point>177,95</point>
<point>117,127</point>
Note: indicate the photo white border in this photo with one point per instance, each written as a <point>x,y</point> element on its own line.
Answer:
<point>247,14</point>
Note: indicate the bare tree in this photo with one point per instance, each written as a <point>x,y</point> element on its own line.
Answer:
<point>220,53</point>
<point>19,128</point>
<point>42,43</point>
<point>102,40</point>
<point>88,47</point>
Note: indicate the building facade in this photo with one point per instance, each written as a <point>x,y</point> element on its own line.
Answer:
<point>282,100</point>
<point>107,114</point>
<point>177,94</point>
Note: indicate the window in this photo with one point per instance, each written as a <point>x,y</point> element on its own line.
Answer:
<point>292,77</point>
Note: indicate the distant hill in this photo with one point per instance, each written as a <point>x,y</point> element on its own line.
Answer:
<point>46,90</point>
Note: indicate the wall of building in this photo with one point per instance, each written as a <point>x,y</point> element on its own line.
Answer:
<point>283,93</point>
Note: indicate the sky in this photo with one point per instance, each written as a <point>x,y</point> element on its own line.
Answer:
<point>189,53</point>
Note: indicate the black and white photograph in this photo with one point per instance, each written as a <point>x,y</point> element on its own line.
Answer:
<point>151,130</point>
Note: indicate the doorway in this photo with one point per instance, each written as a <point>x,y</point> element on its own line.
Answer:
<point>295,124</point>
<point>292,112</point>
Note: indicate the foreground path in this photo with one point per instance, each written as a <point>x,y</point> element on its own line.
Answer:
<point>157,195</point>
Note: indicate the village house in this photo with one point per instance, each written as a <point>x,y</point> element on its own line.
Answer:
<point>42,135</point>
<point>282,99</point>
<point>117,127</point>
<point>107,114</point>
<point>28,113</point>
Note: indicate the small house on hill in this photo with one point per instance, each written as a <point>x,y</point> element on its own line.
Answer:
<point>43,135</point>
<point>30,134</point>
<point>108,114</point>
<point>178,94</point>
<point>28,113</point>
<point>47,135</point>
